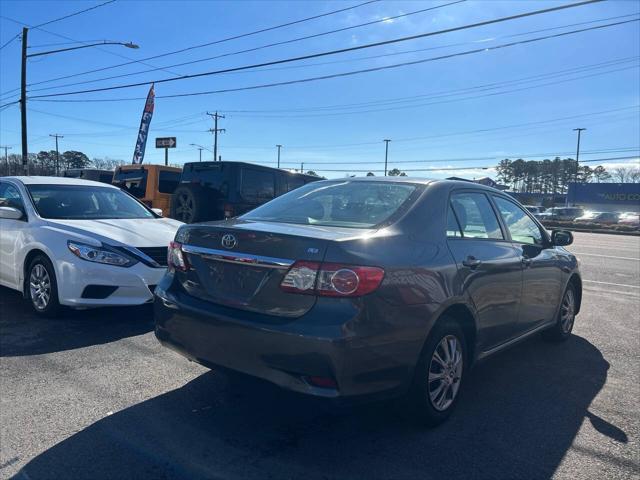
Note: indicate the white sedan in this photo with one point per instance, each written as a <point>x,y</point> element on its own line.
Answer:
<point>65,241</point>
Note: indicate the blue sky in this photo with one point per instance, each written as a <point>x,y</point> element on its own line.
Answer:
<point>463,114</point>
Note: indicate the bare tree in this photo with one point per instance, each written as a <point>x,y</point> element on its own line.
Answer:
<point>626,175</point>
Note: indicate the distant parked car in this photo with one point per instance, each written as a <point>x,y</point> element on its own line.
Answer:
<point>607,218</point>
<point>629,218</point>
<point>534,209</point>
<point>103,176</point>
<point>153,185</point>
<point>218,190</point>
<point>357,287</point>
<point>79,243</point>
<point>561,214</point>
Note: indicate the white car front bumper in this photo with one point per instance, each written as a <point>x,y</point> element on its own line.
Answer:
<point>134,285</point>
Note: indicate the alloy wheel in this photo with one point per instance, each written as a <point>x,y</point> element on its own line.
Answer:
<point>445,372</point>
<point>40,286</point>
<point>568,311</point>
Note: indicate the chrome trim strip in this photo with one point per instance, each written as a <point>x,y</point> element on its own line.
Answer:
<point>140,254</point>
<point>239,258</point>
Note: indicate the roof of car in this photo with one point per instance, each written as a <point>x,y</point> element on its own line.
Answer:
<point>418,180</point>
<point>41,180</point>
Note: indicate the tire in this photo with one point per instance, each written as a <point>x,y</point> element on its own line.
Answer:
<point>438,380</point>
<point>565,320</point>
<point>189,204</point>
<point>42,287</point>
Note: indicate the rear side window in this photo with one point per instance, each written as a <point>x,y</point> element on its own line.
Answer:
<point>133,181</point>
<point>294,182</point>
<point>168,181</point>
<point>257,186</point>
<point>475,216</point>
<point>520,225</point>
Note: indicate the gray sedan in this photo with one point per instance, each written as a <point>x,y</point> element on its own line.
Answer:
<point>368,288</point>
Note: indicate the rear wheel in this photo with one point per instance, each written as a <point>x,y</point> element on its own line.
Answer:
<point>439,373</point>
<point>42,287</point>
<point>566,316</point>
<point>189,204</point>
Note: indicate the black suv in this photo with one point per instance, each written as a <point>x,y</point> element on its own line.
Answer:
<point>219,190</point>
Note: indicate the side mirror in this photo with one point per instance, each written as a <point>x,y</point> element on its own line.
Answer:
<point>561,238</point>
<point>157,211</point>
<point>11,213</point>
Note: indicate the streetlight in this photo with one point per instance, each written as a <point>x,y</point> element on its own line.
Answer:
<point>279,147</point>
<point>23,83</point>
<point>200,148</point>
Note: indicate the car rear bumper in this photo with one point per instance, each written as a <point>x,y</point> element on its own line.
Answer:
<point>291,354</point>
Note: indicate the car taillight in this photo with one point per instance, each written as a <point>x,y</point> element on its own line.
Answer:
<point>331,279</point>
<point>175,257</point>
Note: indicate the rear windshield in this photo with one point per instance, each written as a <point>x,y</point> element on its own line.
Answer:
<point>133,181</point>
<point>344,204</point>
<point>168,181</point>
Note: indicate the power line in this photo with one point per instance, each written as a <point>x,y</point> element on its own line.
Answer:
<point>83,42</point>
<point>351,49</point>
<point>56,20</point>
<point>261,47</point>
<point>469,167</point>
<point>473,159</point>
<point>73,14</point>
<point>215,42</point>
<point>489,86</point>
<point>420,105</point>
<point>446,92</point>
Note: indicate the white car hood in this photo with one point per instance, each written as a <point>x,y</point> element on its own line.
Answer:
<point>138,232</point>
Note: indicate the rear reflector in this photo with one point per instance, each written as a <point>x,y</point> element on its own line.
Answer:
<point>331,279</point>
<point>322,382</point>
<point>176,259</point>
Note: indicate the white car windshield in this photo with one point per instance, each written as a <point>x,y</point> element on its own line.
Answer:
<point>78,202</point>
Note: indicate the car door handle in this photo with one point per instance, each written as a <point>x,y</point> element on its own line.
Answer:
<point>471,262</point>
<point>526,261</point>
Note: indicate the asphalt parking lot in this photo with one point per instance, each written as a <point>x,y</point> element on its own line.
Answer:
<point>93,395</point>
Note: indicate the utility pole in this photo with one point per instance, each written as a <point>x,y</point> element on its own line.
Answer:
<point>56,136</point>
<point>579,130</point>
<point>215,131</point>
<point>386,154</point>
<point>23,102</point>
<point>279,147</point>
<point>6,157</point>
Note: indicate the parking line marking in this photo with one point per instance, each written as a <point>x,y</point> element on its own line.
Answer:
<point>606,256</point>
<point>609,283</point>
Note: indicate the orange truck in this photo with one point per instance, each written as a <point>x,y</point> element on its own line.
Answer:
<point>153,185</point>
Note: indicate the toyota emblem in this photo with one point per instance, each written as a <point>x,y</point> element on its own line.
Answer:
<point>229,241</point>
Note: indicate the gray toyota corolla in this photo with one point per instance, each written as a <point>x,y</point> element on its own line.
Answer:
<point>368,287</point>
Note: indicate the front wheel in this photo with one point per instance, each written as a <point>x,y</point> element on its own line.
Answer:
<point>42,288</point>
<point>566,317</point>
<point>439,373</point>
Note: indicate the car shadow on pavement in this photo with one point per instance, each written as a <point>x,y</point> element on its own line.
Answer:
<point>519,415</point>
<point>22,332</point>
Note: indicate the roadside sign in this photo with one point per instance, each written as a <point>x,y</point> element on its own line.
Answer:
<point>166,142</point>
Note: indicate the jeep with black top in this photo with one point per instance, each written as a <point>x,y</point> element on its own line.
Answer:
<point>219,190</point>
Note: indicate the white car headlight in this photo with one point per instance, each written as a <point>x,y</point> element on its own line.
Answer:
<point>100,254</point>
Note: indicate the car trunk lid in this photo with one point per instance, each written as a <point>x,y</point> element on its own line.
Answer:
<point>241,264</point>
